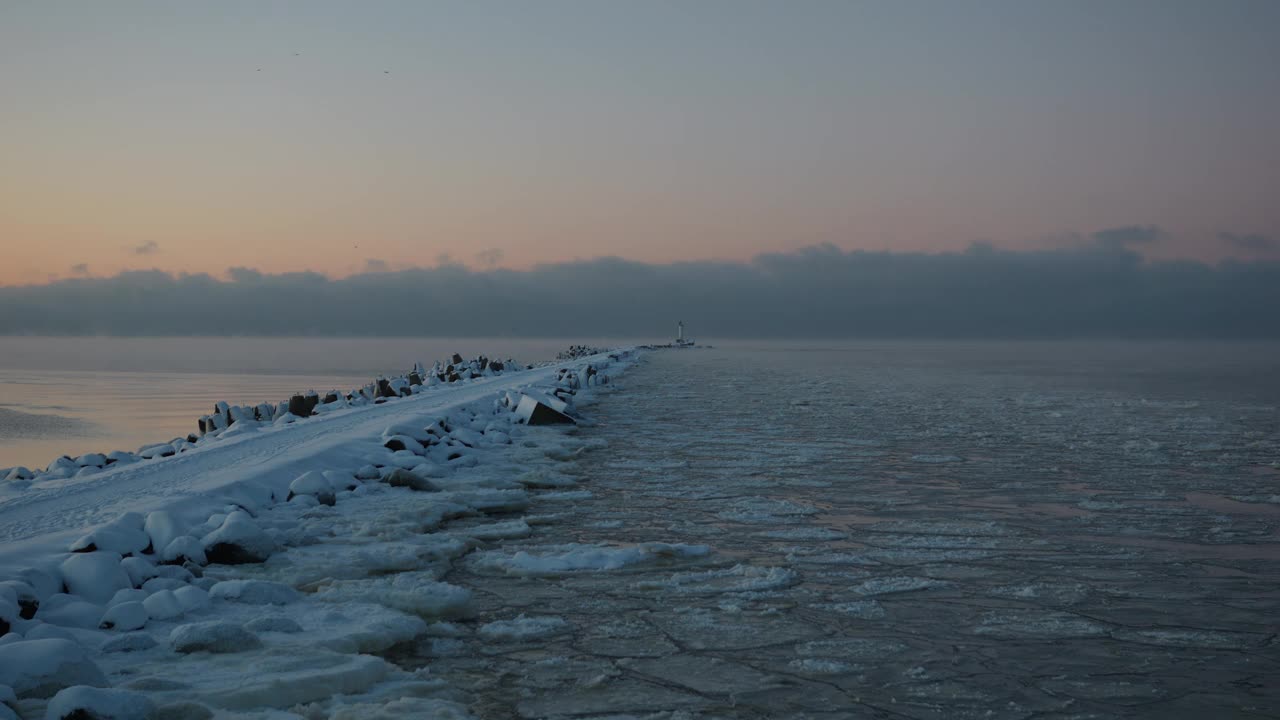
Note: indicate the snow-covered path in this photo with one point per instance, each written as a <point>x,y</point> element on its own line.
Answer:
<point>41,520</point>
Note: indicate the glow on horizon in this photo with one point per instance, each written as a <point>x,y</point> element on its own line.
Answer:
<point>322,135</point>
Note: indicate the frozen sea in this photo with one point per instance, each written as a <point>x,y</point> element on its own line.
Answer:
<point>906,530</point>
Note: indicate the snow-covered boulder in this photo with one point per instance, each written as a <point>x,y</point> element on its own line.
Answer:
<point>340,480</point>
<point>40,668</point>
<point>539,411</point>
<point>411,480</point>
<point>273,623</point>
<point>184,548</point>
<point>163,605</point>
<point>192,598</point>
<point>214,637</point>
<point>417,432</point>
<point>123,535</point>
<point>159,450</point>
<point>127,595</point>
<point>162,528</point>
<point>254,592</point>
<point>82,702</point>
<point>139,570</point>
<point>238,540</point>
<point>10,613</point>
<point>129,642</point>
<point>63,467</point>
<point>19,473</point>
<point>403,442</point>
<point>367,472</point>
<point>124,617</point>
<point>121,457</point>
<point>24,595</point>
<point>91,460</point>
<point>95,576</point>
<point>315,484</point>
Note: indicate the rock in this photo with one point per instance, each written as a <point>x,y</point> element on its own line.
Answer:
<point>161,527</point>
<point>214,636</point>
<point>298,406</point>
<point>405,478</point>
<point>404,442</point>
<point>19,473</point>
<point>95,576</point>
<point>139,570</point>
<point>536,412</point>
<point>45,631</point>
<point>315,484</point>
<point>159,450</point>
<point>40,668</point>
<point>125,617</point>
<point>273,623</point>
<point>254,592</point>
<point>163,605</point>
<point>155,585</point>
<point>192,598</point>
<point>124,535</point>
<point>130,642</point>
<point>90,703</point>
<point>238,541</point>
<point>91,459</point>
<point>23,595</point>
<point>121,457</point>
<point>340,480</point>
<point>183,549</point>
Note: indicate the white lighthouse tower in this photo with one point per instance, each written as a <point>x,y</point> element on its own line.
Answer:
<point>680,339</point>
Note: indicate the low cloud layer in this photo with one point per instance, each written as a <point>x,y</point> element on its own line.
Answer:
<point>1102,290</point>
<point>1251,243</point>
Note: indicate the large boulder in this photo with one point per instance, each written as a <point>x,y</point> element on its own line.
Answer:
<point>213,637</point>
<point>124,535</point>
<point>406,478</point>
<point>534,411</point>
<point>95,576</point>
<point>40,668</point>
<point>238,541</point>
<point>82,702</point>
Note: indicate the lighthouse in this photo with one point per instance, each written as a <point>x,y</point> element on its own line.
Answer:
<point>680,332</point>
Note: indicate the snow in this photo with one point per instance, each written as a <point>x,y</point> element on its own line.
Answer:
<point>94,576</point>
<point>254,592</point>
<point>40,668</point>
<point>125,616</point>
<point>163,605</point>
<point>99,704</point>
<point>213,636</point>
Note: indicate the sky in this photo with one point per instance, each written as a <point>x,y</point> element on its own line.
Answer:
<point>340,138</point>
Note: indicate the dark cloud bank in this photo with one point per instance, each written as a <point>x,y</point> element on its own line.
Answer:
<point>1103,289</point>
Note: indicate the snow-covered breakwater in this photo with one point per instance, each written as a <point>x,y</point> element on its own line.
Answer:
<point>227,418</point>
<point>261,570</point>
